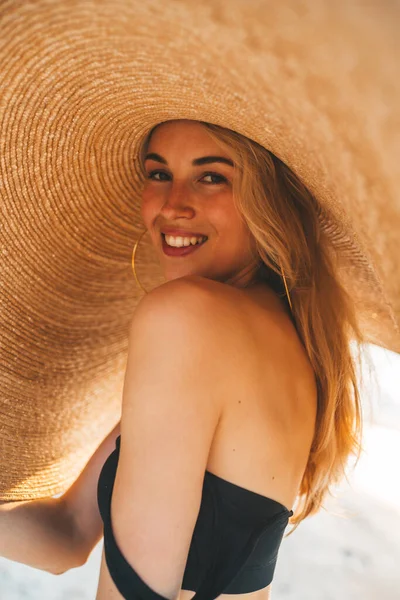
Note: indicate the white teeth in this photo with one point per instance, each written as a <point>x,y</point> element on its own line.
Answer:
<point>180,241</point>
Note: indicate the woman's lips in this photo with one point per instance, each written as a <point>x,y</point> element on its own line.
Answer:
<point>182,251</point>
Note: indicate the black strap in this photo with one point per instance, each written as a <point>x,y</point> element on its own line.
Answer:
<point>127,581</point>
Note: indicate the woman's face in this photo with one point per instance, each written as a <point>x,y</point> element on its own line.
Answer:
<point>195,199</point>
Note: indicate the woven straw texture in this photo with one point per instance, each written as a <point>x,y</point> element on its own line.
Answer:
<point>81,83</point>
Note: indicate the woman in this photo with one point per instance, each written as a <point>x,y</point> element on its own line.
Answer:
<point>239,367</point>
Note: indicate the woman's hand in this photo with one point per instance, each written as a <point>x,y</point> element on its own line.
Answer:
<point>41,534</point>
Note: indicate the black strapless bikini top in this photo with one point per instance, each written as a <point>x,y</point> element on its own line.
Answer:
<point>234,547</point>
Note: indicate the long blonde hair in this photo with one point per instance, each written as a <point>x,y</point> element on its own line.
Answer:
<point>283,217</point>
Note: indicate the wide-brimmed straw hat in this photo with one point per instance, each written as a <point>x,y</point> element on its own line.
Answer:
<point>81,84</point>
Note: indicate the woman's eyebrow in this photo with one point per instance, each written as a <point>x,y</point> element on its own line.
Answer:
<point>195,162</point>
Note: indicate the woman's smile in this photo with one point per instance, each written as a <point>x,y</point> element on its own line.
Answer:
<point>181,250</point>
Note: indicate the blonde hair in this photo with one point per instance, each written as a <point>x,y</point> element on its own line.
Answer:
<point>283,216</point>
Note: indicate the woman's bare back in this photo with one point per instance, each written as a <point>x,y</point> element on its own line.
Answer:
<point>265,433</point>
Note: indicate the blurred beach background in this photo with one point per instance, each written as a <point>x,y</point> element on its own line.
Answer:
<point>348,551</point>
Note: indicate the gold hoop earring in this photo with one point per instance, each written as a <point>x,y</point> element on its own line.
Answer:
<point>133,260</point>
<point>286,287</point>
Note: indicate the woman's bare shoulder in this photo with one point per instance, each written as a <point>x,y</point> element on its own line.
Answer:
<point>186,284</point>
<point>187,296</point>
<point>193,311</point>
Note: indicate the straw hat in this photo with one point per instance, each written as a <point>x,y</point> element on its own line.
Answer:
<point>81,83</point>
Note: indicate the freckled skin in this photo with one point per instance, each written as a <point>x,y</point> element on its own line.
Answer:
<point>184,197</point>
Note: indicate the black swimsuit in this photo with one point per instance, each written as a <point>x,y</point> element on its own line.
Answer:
<point>234,547</point>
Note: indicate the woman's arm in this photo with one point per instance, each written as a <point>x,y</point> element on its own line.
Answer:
<point>81,498</point>
<point>41,534</point>
<point>57,534</point>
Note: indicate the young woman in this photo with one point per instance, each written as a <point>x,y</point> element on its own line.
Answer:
<point>240,403</point>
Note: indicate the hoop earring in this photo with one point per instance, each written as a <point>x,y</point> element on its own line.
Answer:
<point>286,287</point>
<point>133,261</point>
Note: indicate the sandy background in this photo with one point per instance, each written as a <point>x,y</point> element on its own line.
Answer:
<point>350,551</point>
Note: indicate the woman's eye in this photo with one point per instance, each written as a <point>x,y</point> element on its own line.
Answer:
<point>150,175</point>
<point>221,179</point>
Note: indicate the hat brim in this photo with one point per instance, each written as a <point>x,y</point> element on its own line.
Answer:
<point>81,86</point>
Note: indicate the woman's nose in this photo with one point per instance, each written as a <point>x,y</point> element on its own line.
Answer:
<point>177,202</point>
